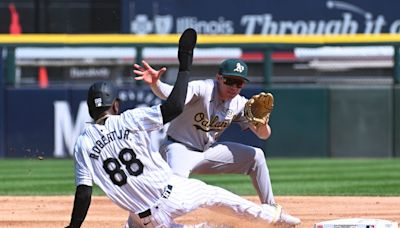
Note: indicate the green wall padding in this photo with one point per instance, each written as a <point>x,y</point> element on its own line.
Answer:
<point>299,122</point>
<point>361,123</point>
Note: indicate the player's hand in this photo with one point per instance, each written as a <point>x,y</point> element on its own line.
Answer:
<point>147,73</point>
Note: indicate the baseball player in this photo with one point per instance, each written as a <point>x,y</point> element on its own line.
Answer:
<point>211,106</point>
<point>115,152</point>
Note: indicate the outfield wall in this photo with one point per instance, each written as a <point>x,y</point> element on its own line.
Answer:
<point>396,121</point>
<point>307,121</point>
<point>361,121</point>
<point>2,104</point>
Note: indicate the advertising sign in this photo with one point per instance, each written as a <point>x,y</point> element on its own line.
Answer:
<point>261,17</point>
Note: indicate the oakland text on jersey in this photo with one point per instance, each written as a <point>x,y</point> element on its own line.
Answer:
<point>106,139</point>
<point>209,125</point>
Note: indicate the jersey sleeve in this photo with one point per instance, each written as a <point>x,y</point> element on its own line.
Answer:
<point>82,172</point>
<point>196,89</point>
<point>143,118</point>
<point>162,90</point>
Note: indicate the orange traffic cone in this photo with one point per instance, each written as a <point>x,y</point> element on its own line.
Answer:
<point>15,26</point>
<point>43,78</point>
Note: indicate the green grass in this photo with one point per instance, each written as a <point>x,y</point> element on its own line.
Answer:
<point>347,177</point>
<point>350,177</point>
<point>38,177</point>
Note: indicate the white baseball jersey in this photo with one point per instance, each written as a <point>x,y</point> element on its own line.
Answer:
<point>205,115</point>
<point>118,157</point>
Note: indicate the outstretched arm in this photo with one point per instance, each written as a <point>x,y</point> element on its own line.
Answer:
<point>152,77</point>
<point>176,100</point>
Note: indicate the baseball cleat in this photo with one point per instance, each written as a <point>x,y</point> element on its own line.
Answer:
<point>187,42</point>
<point>288,219</point>
<point>282,218</point>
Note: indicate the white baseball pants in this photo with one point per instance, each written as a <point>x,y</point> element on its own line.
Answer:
<point>190,194</point>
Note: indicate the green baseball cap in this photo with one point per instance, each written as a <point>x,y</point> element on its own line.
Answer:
<point>234,67</point>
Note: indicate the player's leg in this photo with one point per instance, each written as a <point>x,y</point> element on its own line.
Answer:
<point>180,158</point>
<point>230,157</point>
<point>190,194</point>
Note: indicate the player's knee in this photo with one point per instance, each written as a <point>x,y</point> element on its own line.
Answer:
<point>259,156</point>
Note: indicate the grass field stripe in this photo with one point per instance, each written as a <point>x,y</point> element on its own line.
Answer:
<point>341,177</point>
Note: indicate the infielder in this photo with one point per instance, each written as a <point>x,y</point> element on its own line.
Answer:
<point>211,106</point>
<point>115,152</point>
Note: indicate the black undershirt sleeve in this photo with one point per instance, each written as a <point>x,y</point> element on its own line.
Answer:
<point>83,196</point>
<point>176,100</point>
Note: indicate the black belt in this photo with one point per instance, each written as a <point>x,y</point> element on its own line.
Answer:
<point>145,213</point>
<point>167,191</point>
<point>190,147</point>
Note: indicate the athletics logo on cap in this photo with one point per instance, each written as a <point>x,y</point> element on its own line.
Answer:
<point>239,68</point>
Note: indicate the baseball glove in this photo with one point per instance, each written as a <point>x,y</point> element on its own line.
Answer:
<point>258,108</point>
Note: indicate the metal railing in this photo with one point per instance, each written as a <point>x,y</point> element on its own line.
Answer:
<point>265,44</point>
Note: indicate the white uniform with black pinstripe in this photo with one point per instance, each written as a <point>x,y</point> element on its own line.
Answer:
<point>118,157</point>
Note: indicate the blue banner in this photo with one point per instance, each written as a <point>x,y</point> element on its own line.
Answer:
<point>261,17</point>
<point>45,123</point>
<point>2,102</point>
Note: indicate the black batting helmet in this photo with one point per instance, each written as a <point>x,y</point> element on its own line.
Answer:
<point>100,97</point>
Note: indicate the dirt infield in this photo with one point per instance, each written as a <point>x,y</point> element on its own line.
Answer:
<point>38,211</point>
